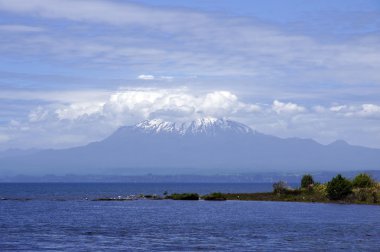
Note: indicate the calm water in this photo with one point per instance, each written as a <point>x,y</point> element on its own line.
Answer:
<point>58,218</point>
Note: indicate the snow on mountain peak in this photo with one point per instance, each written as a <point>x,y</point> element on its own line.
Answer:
<point>206,126</point>
<point>156,125</point>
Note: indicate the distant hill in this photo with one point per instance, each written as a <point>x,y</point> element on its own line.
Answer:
<point>203,146</point>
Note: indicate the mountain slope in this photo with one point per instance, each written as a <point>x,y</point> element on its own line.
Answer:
<point>202,146</point>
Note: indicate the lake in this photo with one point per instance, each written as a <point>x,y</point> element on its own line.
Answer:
<point>58,217</point>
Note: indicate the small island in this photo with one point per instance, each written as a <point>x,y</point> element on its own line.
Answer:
<point>363,189</point>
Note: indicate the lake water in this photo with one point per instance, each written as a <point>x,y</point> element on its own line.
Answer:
<point>57,217</point>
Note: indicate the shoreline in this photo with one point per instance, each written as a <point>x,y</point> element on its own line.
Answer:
<point>258,196</point>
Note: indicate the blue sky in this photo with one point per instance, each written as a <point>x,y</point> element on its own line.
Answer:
<point>72,72</point>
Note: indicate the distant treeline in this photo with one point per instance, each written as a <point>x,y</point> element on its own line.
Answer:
<point>257,177</point>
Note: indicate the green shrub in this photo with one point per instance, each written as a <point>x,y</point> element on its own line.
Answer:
<point>307,181</point>
<point>184,196</point>
<point>369,195</point>
<point>362,194</point>
<point>363,180</point>
<point>321,189</point>
<point>338,188</point>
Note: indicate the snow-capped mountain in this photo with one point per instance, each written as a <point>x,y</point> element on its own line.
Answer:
<point>206,145</point>
<point>203,126</point>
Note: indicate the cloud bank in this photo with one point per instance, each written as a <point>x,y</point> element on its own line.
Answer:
<point>210,44</point>
<point>132,106</point>
<point>76,122</point>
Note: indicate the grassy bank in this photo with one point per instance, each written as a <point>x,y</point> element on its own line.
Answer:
<point>361,190</point>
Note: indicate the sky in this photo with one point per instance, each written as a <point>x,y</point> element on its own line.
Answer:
<point>73,71</point>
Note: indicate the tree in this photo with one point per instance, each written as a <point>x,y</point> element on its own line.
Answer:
<point>280,187</point>
<point>338,188</point>
<point>307,181</point>
<point>363,180</point>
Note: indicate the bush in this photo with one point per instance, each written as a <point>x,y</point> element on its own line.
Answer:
<point>363,180</point>
<point>362,194</point>
<point>321,189</point>
<point>307,181</point>
<point>369,195</point>
<point>338,188</point>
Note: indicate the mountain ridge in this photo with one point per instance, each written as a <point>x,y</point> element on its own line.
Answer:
<point>204,146</point>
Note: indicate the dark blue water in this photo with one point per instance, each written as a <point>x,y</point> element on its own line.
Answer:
<point>74,224</point>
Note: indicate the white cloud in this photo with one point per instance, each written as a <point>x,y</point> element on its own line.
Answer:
<point>363,110</point>
<point>145,77</point>
<point>78,110</point>
<point>281,107</point>
<point>38,114</point>
<point>224,103</point>
<point>338,108</point>
<point>370,110</point>
<point>130,106</point>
